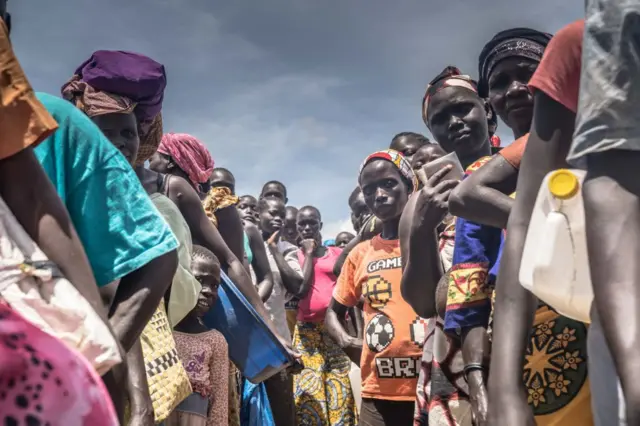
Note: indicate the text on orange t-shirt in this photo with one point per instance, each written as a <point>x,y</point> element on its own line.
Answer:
<point>394,333</point>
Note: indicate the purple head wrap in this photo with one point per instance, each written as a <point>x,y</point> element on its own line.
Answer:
<point>127,74</point>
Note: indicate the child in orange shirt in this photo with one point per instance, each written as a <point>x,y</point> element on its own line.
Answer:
<point>394,334</point>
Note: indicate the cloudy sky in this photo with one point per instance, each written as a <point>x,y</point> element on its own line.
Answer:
<point>295,90</point>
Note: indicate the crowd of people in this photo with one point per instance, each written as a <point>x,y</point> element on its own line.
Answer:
<point>398,324</point>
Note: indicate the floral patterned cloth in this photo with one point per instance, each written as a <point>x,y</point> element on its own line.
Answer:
<point>322,390</point>
<point>217,199</point>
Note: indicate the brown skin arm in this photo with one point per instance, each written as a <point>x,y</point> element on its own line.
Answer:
<point>300,288</point>
<point>138,296</point>
<point>352,346</point>
<point>231,230</point>
<point>205,234</point>
<point>483,197</point>
<point>550,139</point>
<point>422,268</point>
<point>138,388</point>
<point>260,262</point>
<point>31,197</point>
<point>291,279</point>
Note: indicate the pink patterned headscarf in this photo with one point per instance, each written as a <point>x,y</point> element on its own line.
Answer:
<point>189,154</point>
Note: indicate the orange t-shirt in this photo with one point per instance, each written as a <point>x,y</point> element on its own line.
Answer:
<point>558,74</point>
<point>394,333</point>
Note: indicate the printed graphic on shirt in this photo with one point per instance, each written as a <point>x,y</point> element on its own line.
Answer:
<point>381,264</point>
<point>377,291</point>
<point>379,333</point>
<point>418,329</point>
<point>398,368</point>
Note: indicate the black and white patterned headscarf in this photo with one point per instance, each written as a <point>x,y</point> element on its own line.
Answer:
<point>522,42</point>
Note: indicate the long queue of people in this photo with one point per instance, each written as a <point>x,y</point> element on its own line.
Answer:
<point>418,319</point>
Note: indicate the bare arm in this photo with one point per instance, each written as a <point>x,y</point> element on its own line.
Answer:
<point>291,279</point>
<point>204,233</point>
<point>31,197</point>
<point>483,197</point>
<point>352,346</point>
<point>231,230</point>
<point>260,262</point>
<point>138,388</point>
<point>308,275</point>
<point>422,268</point>
<point>138,297</point>
<point>546,150</point>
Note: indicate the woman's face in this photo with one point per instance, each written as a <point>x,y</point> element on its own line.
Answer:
<point>509,93</point>
<point>458,121</point>
<point>248,209</point>
<point>122,131</point>
<point>384,190</point>
<point>208,275</point>
<point>272,214</point>
<point>309,224</point>
<point>427,154</point>
<point>407,145</point>
<point>160,163</point>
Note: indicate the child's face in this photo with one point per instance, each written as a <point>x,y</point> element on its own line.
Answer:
<point>208,275</point>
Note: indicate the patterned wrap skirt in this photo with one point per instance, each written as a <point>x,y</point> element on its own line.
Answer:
<point>322,391</point>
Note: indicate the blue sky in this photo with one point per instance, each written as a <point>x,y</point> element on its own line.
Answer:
<point>295,90</point>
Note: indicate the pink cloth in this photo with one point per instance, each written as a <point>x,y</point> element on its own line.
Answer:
<point>42,381</point>
<point>189,154</point>
<point>314,306</point>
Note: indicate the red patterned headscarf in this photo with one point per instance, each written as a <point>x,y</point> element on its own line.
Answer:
<point>189,154</point>
<point>398,160</point>
<point>450,76</point>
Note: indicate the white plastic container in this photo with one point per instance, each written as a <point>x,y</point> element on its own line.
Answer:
<point>555,262</point>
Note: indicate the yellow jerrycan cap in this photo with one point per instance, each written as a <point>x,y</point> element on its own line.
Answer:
<point>563,184</point>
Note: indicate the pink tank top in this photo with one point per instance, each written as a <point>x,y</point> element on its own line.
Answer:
<point>314,306</point>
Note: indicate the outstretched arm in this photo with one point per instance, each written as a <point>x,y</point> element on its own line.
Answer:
<point>483,197</point>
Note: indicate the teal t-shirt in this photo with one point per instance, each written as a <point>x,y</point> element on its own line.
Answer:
<point>119,226</point>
